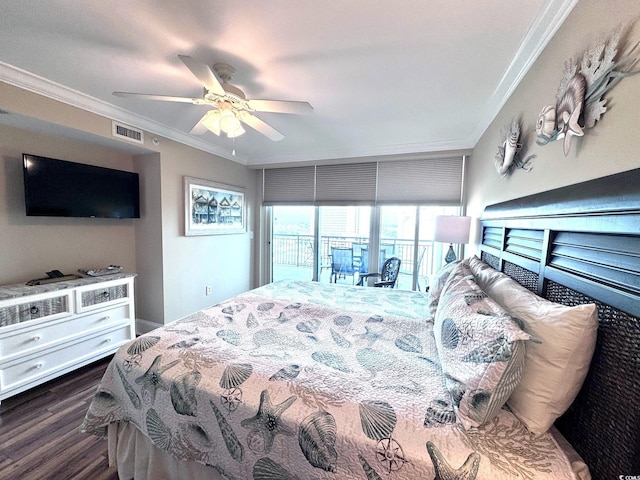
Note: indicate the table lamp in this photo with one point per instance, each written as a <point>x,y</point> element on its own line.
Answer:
<point>452,229</point>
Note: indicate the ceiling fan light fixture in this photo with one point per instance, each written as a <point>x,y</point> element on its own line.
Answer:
<point>237,132</point>
<point>212,121</point>
<point>230,124</point>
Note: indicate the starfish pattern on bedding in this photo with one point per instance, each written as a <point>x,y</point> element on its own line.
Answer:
<point>444,471</point>
<point>152,380</point>
<point>267,421</point>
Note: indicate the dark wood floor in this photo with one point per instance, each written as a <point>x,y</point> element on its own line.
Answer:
<point>39,436</point>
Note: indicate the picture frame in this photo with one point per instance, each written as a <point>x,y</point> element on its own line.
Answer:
<point>212,208</point>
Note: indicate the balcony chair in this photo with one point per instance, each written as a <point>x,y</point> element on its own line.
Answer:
<point>341,263</point>
<point>388,274</point>
<point>358,264</point>
<point>364,260</point>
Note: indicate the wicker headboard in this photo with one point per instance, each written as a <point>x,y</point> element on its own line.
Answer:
<point>574,245</point>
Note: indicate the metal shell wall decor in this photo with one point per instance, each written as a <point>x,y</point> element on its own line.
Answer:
<point>509,151</point>
<point>580,99</point>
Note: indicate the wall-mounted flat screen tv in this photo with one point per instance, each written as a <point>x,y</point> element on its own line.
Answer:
<point>58,188</point>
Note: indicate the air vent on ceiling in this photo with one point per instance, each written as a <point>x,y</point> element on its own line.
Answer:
<point>127,133</point>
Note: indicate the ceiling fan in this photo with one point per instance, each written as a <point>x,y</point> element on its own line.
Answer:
<point>230,107</point>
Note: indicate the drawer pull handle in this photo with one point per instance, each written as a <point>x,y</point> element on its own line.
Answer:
<point>106,317</point>
<point>39,365</point>
<point>107,340</point>
<point>106,295</point>
<point>36,338</point>
<point>34,310</point>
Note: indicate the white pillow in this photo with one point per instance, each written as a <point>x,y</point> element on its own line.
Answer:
<point>554,369</point>
<point>481,349</point>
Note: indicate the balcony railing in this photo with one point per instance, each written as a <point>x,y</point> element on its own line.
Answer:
<point>297,251</point>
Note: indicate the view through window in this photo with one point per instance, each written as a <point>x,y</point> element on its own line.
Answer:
<point>339,243</point>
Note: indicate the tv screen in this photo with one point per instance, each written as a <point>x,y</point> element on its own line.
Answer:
<point>58,188</point>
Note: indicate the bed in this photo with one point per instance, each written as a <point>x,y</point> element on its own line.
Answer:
<point>300,380</point>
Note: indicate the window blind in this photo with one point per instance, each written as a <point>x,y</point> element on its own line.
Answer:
<point>419,182</point>
<point>353,183</point>
<point>416,182</point>
<point>294,185</point>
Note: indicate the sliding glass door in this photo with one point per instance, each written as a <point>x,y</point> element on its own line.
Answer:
<point>343,233</point>
<point>397,239</point>
<point>292,242</point>
<point>338,243</point>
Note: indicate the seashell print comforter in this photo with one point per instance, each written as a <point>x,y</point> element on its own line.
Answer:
<point>302,380</point>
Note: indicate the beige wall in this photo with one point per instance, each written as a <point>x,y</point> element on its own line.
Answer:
<point>612,146</point>
<point>190,263</point>
<point>172,269</point>
<point>31,246</point>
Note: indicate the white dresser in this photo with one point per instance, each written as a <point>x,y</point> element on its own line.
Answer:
<point>48,330</point>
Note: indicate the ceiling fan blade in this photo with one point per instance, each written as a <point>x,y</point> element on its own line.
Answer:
<point>257,124</point>
<point>210,121</point>
<point>280,106</point>
<point>200,128</point>
<point>204,74</point>
<point>162,98</point>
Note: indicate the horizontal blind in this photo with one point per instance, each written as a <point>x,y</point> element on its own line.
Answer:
<point>289,185</point>
<point>416,182</point>
<point>419,182</point>
<point>346,184</point>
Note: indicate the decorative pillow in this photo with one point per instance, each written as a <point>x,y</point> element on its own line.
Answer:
<point>437,284</point>
<point>481,349</point>
<point>554,369</point>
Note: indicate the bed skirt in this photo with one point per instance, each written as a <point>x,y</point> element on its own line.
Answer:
<point>137,458</point>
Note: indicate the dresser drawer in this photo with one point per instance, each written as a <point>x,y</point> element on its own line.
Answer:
<point>36,307</point>
<point>18,373</point>
<point>21,342</point>
<point>97,296</point>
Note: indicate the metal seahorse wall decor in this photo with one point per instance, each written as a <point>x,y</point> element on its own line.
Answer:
<point>581,97</point>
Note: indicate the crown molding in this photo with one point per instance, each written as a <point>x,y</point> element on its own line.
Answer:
<point>549,19</point>
<point>42,86</point>
<point>386,152</point>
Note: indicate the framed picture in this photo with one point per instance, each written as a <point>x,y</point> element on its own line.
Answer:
<point>213,208</point>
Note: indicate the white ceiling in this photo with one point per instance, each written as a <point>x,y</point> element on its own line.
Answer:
<point>384,78</point>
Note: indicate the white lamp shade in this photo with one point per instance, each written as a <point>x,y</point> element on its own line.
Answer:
<point>237,132</point>
<point>212,121</point>
<point>228,121</point>
<point>452,229</point>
